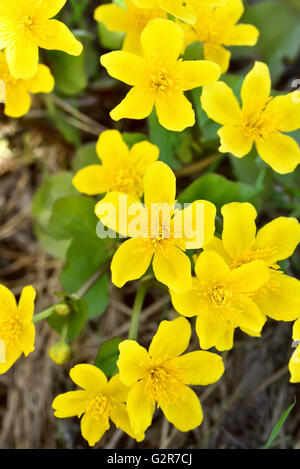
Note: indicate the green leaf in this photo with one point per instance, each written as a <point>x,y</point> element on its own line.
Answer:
<point>278,427</point>
<point>75,320</point>
<point>85,155</point>
<point>218,190</point>
<point>131,138</point>
<point>111,40</point>
<point>107,356</point>
<point>69,72</point>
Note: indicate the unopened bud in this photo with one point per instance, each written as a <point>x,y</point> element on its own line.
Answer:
<point>60,353</point>
<point>62,309</point>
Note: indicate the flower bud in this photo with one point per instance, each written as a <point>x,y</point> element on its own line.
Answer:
<point>60,353</point>
<point>62,310</point>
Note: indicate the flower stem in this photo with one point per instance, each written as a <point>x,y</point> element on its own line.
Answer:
<point>136,310</point>
<point>43,315</point>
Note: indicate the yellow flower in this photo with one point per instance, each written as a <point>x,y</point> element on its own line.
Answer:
<point>131,20</point>
<point>99,401</point>
<point>185,10</point>
<point>17,331</point>
<point>261,120</point>
<point>17,91</point>
<point>163,241</point>
<point>26,26</point>
<point>294,364</point>
<point>279,298</point>
<point>220,298</point>
<point>161,376</point>
<point>217,28</point>
<point>122,170</point>
<point>158,77</point>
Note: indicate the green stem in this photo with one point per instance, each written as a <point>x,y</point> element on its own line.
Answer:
<point>64,333</point>
<point>136,311</point>
<point>43,315</point>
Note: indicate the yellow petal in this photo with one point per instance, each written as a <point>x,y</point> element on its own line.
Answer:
<point>294,366</point>
<point>185,413</point>
<point>125,66</point>
<point>133,362</point>
<point>137,104</point>
<point>163,343</point>
<point>174,111</point>
<point>225,342</point>
<point>119,415</point>
<point>91,180</point>
<point>234,140</point>
<point>211,267</point>
<point>217,54</point>
<point>201,368</point>
<point>22,58</point>
<point>249,277</point>
<point>93,429</point>
<point>145,3</point>
<point>279,151</point>
<point>194,73</point>
<point>131,261</point>
<point>242,35</point>
<point>12,353</point>
<point>27,339</point>
<point>296,330</point>
<point>142,155</point>
<point>70,404</point>
<point>140,409</point>
<point>117,389</point>
<point>49,8</point>
<point>210,328</point>
<point>57,36</point>
<point>182,10</point>
<point>217,245</point>
<point>280,297</point>
<point>111,147</point>
<point>114,17</point>
<point>220,104</point>
<point>231,11</point>
<point>172,267</point>
<point>281,237</point>
<point>188,303</point>
<point>159,185</point>
<point>287,110</point>
<point>247,315</point>
<point>17,100</point>
<point>239,227</point>
<point>88,377</point>
<point>256,88</point>
<point>42,82</point>
<point>162,42</point>
<point>8,303</point>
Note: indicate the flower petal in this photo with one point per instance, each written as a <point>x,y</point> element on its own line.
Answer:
<point>217,54</point>
<point>140,409</point>
<point>281,237</point>
<point>220,104</point>
<point>249,277</point>
<point>57,36</point>
<point>172,267</point>
<point>12,353</point>
<point>162,42</point>
<point>163,343</point>
<point>17,101</point>
<point>111,146</point>
<point>131,261</point>
<point>142,155</point>
<point>125,66</point>
<point>119,415</point>
<point>242,35</point>
<point>225,342</point>
<point>247,315</point>
<point>8,303</point>
<point>91,180</point>
<point>287,110</point>
<point>279,151</point>
<point>210,328</point>
<point>188,303</point>
<point>42,82</point>
<point>27,339</point>
<point>70,404</point>
<point>256,88</point>
<point>294,366</point>
<point>88,377</point>
<point>239,228</point>
<point>185,413</point>
<point>137,104</point>
<point>117,389</point>
<point>201,368</point>
<point>22,58</point>
<point>296,330</point>
<point>231,11</point>
<point>133,362</point>
<point>114,17</point>
<point>211,267</point>
<point>49,8</point>
<point>159,185</point>
<point>195,73</point>
<point>234,140</point>
<point>174,111</point>
<point>93,429</point>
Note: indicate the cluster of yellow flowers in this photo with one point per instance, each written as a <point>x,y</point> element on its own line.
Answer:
<point>238,282</point>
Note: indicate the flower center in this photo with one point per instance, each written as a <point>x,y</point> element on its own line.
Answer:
<point>219,295</point>
<point>99,406</point>
<point>259,125</point>
<point>161,81</point>
<point>126,180</point>
<point>253,254</point>
<point>210,32</point>
<point>10,330</point>
<point>164,384</point>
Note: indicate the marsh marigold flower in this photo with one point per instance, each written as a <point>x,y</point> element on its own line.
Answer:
<point>185,10</point>
<point>162,375</point>
<point>279,298</point>
<point>162,241</point>
<point>122,169</point>
<point>16,92</point>
<point>294,364</point>
<point>261,120</point>
<point>17,331</point>
<point>158,78</point>
<point>98,402</point>
<point>128,19</point>
<point>220,298</point>
<point>216,28</point>
<point>26,26</point>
